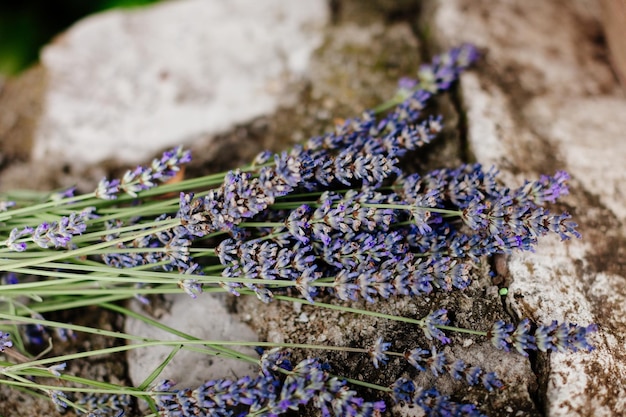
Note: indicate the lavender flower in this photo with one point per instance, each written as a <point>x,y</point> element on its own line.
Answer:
<point>553,337</point>
<point>16,234</point>
<point>174,242</point>
<point>56,369</point>
<point>267,261</point>
<point>6,205</point>
<point>546,188</point>
<point>522,340</point>
<point>59,398</point>
<point>143,178</point>
<point>59,234</point>
<point>377,352</point>
<point>402,390</point>
<point>431,401</point>
<point>9,278</point>
<point>438,363</point>
<point>446,67</point>
<point>170,163</point>
<point>107,190</point>
<point>270,391</point>
<point>436,318</point>
<point>240,196</point>
<point>435,404</point>
<point>191,286</point>
<point>55,234</point>
<point>5,341</point>
<point>60,195</point>
<point>500,335</point>
<point>105,405</point>
<point>35,334</point>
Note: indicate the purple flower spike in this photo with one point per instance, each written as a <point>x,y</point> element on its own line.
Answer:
<point>522,340</point>
<point>403,390</point>
<point>436,318</point>
<point>6,205</point>
<point>143,178</point>
<point>577,337</point>
<point>107,190</point>
<point>556,336</point>
<point>377,352</point>
<point>433,403</point>
<point>500,335</point>
<point>543,337</point>
<point>15,235</point>
<point>272,392</point>
<point>5,341</point>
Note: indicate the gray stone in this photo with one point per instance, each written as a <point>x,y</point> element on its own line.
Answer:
<point>543,99</point>
<point>205,318</point>
<point>125,84</point>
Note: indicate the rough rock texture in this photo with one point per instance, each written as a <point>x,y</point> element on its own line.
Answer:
<point>206,318</point>
<point>545,99</point>
<point>123,85</point>
<point>614,17</point>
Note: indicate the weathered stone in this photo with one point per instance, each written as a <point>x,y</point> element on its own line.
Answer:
<point>20,107</point>
<point>123,85</point>
<point>614,16</point>
<point>543,99</point>
<point>205,318</point>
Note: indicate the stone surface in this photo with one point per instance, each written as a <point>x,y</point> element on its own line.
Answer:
<point>545,99</point>
<point>205,318</point>
<point>614,17</point>
<point>124,85</point>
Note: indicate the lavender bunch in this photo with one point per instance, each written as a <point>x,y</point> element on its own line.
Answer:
<point>362,149</point>
<point>334,217</point>
<point>425,235</point>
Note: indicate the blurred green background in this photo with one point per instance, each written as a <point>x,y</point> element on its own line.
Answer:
<point>27,25</point>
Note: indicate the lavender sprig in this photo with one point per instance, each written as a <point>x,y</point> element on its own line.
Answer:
<point>56,234</point>
<point>271,393</point>
<point>431,401</point>
<point>5,341</point>
<point>105,405</point>
<point>438,363</point>
<point>556,336</point>
<point>144,178</point>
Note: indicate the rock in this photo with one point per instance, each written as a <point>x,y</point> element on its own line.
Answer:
<point>20,107</point>
<point>614,14</point>
<point>543,99</point>
<point>124,85</point>
<point>205,318</point>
